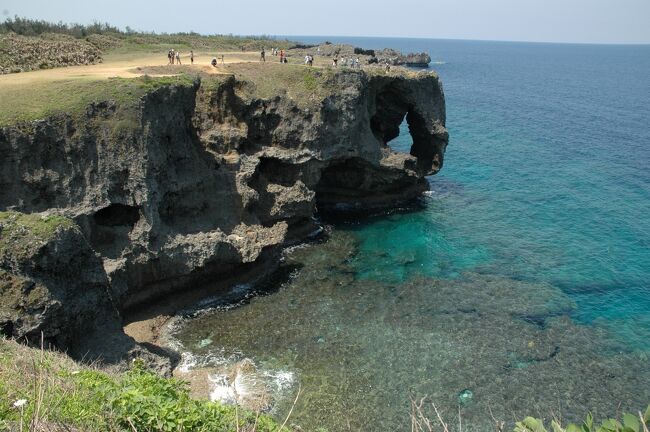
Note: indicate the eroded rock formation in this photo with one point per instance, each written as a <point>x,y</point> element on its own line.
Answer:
<point>204,183</point>
<point>396,58</point>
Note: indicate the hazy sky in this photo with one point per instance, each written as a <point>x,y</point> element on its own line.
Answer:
<point>607,21</point>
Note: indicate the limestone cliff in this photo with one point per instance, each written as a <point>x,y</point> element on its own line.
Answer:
<point>204,182</point>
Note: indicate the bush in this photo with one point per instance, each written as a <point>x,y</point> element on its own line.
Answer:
<point>629,423</point>
<point>30,27</point>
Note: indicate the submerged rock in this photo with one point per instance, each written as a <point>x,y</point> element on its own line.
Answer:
<point>465,397</point>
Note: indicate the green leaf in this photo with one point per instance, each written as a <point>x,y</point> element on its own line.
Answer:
<point>556,427</point>
<point>533,424</point>
<point>571,427</point>
<point>646,416</point>
<point>588,424</point>
<point>631,422</point>
<point>611,425</point>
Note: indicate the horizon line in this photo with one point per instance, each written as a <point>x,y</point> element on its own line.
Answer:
<point>470,40</point>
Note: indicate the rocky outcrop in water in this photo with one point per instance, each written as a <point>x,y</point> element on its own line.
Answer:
<point>396,58</point>
<point>384,56</point>
<point>201,184</point>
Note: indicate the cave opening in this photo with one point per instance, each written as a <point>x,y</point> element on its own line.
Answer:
<point>117,215</point>
<point>403,141</point>
<point>110,228</point>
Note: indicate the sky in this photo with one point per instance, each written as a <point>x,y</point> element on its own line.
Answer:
<point>579,21</point>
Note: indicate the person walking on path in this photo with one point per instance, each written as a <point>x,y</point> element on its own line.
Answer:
<point>281,56</point>
<point>178,57</point>
<point>192,56</point>
<point>169,57</point>
<point>263,55</point>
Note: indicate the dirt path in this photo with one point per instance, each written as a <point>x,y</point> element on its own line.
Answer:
<point>125,66</point>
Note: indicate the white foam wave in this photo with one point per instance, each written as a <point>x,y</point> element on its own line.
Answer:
<point>281,380</point>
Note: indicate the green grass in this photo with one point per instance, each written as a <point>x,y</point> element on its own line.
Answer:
<point>63,395</point>
<point>306,86</point>
<point>20,103</point>
<point>145,43</point>
<point>19,231</point>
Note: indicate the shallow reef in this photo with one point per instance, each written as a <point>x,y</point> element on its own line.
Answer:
<point>360,347</point>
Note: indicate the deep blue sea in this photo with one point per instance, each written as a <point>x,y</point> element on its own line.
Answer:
<point>525,279</point>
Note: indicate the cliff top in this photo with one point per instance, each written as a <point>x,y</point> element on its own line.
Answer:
<point>100,58</point>
<point>33,96</point>
<point>40,99</point>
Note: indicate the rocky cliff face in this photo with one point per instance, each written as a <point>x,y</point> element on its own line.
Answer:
<point>204,183</point>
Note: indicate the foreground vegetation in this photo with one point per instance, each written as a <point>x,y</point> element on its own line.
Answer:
<point>627,422</point>
<point>46,391</point>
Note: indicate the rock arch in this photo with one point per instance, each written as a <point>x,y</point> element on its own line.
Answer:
<point>396,100</point>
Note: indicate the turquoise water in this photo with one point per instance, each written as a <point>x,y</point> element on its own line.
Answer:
<point>524,276</point>
<point>549,169</point>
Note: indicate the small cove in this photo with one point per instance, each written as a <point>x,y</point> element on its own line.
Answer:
<point>524,276</point>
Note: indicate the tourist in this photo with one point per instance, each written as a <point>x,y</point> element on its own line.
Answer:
<point>169,57</point>
<point>311,60</point>
<point>191,57</point>
<point>307,59</point>
<point>335,61</point>
<point>214,62</point>
<point>263,55</point>
<point>173,55</point>
<point>357,65</point>
<point>178,57</point>
<point>282,56</point>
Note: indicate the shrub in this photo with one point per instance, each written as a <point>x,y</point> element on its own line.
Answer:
<point>628,423</point>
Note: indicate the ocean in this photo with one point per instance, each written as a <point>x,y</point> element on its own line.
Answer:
<point>519,286</point>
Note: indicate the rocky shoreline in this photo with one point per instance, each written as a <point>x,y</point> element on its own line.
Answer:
<point>196,187</point>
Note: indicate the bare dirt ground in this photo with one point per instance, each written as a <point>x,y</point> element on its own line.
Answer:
<point>125,66</point>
